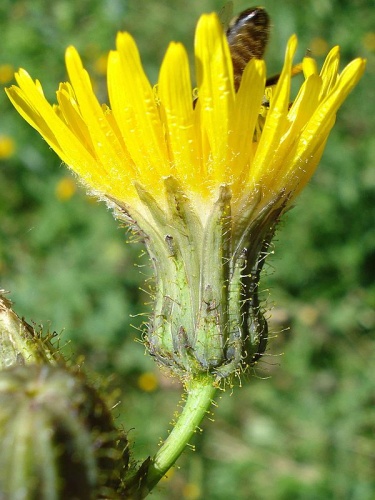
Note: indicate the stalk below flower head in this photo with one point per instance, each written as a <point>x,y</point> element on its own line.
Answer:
<point>204,183</point>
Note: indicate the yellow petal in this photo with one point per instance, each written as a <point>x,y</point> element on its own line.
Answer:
<point>303,159</point>
<point>309,67</point>
<point>300,113</point>
<point>244,118</point>
<point>303,174</point>
<point>69,111</point>
<point>214,74</point>
<point>107,149</point>
<point>176,96</point>
<point>304,104</point>
<point>316,127</point>
<point>32,105</point>
<point>275,124</point>
<point>134,108</point>
<point>329,70</point>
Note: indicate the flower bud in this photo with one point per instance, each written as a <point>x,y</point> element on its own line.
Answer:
<point>207,316</point>
<point>57,437</point>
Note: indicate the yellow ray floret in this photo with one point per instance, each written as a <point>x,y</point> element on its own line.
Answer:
<point>149,133</point>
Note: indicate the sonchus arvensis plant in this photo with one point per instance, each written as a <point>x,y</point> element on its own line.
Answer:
<point>203,180</point>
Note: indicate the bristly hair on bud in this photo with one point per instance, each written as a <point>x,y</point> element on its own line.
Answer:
<point>21,343</point>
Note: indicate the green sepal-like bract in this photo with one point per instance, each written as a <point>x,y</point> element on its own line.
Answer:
<point>206,317</point>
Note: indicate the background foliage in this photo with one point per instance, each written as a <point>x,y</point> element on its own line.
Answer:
<point>302,426</point>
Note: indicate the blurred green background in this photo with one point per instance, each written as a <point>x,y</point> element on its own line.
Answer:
<point>302,424</point>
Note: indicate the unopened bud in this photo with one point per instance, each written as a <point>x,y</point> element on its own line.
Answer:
<point>57,437</point>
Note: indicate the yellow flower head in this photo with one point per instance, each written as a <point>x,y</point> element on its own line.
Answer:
<point>148,134</point>
<point>204,181</point>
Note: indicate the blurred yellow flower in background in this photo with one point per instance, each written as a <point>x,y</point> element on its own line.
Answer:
<point>319,46</point>
<point>7,147</point>
<point>6,73</point>
<point>369,41</point>
<point>101,64</point>
<point>65,189</point>
<point>148,382</point>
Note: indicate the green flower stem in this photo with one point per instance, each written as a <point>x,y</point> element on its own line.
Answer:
<point>200,392</point>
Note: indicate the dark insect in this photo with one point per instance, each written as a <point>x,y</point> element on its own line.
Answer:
<point>247,36</point>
